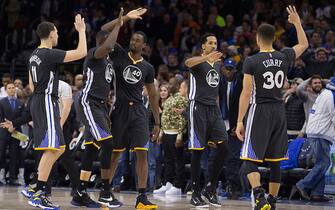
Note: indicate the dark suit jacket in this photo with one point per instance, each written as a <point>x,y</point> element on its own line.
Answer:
<point>6,112</point>
<point>234,98</point>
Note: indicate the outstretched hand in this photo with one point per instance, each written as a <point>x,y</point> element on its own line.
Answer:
<point>136,13</point>
<point>293,16</point>
<point>214,56</point>
<point>79,23</point>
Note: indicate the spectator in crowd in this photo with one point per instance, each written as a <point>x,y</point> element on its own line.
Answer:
<point>229,93</point>
<point>298,71</point>
<point>319,64</point>
<point>320,130</point>
<point>171,135</point>
<point>308,91</point>
<point>294,106</point>
<point>6,78</point>
<point>18,84</point>
<point>10,109</point>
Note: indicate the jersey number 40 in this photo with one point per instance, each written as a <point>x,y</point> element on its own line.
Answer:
<point>271,81</point>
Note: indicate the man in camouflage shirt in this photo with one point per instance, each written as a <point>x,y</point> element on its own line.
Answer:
<point>173,126</point>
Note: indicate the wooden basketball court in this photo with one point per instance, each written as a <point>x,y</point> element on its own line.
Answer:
<point>10,199</point>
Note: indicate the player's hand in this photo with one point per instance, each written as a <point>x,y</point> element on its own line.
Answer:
<point>240,131</point>
<point>7,124</point>
<point>136,13</point>
<point>11,129</point>
<point>120,16</point>
<point>155,132</point>
<point>79,23</point>
<point>293,16</point>
<point>214,56</point>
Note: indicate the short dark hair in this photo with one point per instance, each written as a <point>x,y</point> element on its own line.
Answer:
<point>101,36</point>
<point>315,76</point>
<point>9,84</point>
<point>266,32</point>
<point>44,28</point>
<point>145,38</point>
<point>7,75</point>
<point>204,37</point>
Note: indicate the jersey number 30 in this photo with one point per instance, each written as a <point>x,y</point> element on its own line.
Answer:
<point>271,81</point>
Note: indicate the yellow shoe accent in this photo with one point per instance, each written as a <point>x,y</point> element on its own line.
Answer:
<point>143,206</point>
<point>266,207</point>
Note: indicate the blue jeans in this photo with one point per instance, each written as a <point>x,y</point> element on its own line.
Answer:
<point>120,170</point>
<point>315,179</point>
<point>154,164</point>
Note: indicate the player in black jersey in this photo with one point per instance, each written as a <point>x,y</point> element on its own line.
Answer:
<point>206,126</point>
<point>43,80</point>
<point>129,116</point>
<point>265,136</point>
<point>93,112</point>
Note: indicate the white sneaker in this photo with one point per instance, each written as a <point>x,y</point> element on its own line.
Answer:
<point>2,176</point>
<point>163,189</point>
<point>173,191</point>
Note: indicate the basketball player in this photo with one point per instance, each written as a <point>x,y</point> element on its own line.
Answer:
<point>265,136</point>
<point>43,80</point>
<point>93,112</point>
<point>129,117</point>
<point>206,126</point>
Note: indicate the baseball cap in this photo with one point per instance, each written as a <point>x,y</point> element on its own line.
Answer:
<point>229,63</point>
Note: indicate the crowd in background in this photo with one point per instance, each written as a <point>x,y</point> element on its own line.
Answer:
<point>174,28</point>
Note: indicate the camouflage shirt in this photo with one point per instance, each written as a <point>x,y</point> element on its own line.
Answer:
<point>172,120</point>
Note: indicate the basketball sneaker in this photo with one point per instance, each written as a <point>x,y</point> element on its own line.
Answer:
<point>83,199</point>
<point>28,191</point>
<point>41,200</point>
<point>260,202</point>
<point>142,202</point>
<point>108,199</point>
<point>197,201</point>
<point>210,197</point>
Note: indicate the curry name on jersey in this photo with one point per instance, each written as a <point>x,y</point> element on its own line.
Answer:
<point>204,83</point>
<point>44,70</point>
<point>269,70</point>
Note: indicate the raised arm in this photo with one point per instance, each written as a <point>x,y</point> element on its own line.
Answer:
<point>132,15</point>
<point>294,18</point>
<point>81,50</point>
<point>109,43</point>
<point>211,57</point>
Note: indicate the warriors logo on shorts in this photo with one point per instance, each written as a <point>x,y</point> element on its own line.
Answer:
<point>132,74</point>
<point>109,73</point>
<point>212,78</point>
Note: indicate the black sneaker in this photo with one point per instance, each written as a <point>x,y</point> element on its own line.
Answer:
<point>108,199</point>
<point>260,201</point>
<point>83,199</point>
<point>272,201</point>
<point>210,197</point>
<point>41,200</point>
<point>197,201</point>
<point>142,202</point>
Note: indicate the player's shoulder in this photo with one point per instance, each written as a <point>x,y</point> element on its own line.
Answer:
<point>147,65</point>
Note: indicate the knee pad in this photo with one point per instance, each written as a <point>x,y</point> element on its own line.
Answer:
<point>90,154</point>
<point>106,154</point>
<point>275,174</point>
<point>249,167</point>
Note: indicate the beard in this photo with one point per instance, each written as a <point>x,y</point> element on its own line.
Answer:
<point>317,89</point>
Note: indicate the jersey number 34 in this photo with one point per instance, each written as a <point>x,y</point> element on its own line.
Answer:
<point>273,80</point>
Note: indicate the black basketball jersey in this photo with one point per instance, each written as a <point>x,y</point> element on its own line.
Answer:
<point>204,83</point>
<point>97,76</point>
<point>130,75</point>
<point>43,70</point>
<point>269,70</point>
